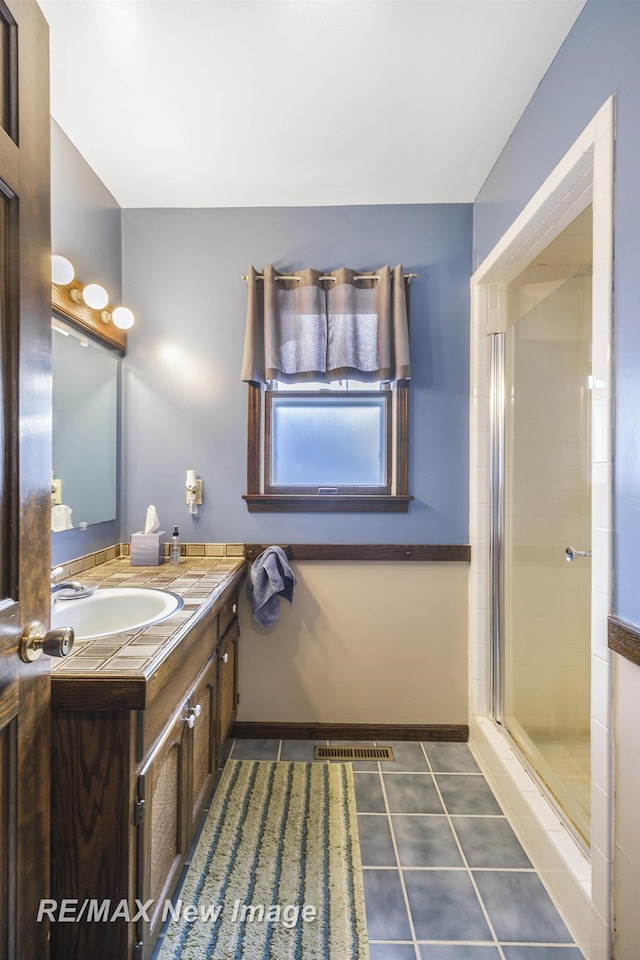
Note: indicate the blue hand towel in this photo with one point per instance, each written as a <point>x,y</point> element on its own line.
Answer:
<point>270,577</point>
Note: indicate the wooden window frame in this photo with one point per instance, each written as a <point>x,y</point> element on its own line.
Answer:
<point>260,500</point>
<point>383,489</point>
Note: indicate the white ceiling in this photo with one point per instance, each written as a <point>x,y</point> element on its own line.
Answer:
<point>202,103</point>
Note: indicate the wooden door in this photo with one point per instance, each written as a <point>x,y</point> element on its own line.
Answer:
<point>25,437</point>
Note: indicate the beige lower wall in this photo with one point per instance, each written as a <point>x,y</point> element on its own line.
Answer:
<point>626,857</point>
<point>363,642</point>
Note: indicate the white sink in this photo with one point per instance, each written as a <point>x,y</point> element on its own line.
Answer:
<point>114,610</point>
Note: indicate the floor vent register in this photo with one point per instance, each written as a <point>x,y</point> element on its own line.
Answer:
<point>352,753</point>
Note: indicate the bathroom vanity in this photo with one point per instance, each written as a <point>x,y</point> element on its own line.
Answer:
<point>139,725</point>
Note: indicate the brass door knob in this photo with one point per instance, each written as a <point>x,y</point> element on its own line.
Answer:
<point>36,640</point>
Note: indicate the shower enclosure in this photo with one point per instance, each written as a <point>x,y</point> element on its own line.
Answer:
<point>541,525</point>
<point>538,639</point>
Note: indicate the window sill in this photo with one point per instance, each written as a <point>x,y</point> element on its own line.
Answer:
<point>332,503</point>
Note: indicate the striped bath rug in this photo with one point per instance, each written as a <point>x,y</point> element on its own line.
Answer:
<point>277,873</point>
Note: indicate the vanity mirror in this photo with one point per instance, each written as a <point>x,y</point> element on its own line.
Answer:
<point>85,430</point>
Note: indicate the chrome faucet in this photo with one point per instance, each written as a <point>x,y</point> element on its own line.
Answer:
<point>71,590</point>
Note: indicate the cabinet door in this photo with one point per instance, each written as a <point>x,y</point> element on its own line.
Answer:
<point>227,682</point>
<point>93,841</point>
<point>202,706</point>
<point>161,812</point>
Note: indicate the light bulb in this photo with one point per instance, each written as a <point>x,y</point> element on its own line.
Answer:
<point>123,318</point>
<point>62,270</point>
<point>95,296</point>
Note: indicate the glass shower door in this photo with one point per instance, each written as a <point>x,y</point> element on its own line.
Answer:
<point>546,608</point>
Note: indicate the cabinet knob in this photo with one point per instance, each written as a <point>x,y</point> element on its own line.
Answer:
<point>194,713</point>
<point>225,658</point>
<point>234,608</point>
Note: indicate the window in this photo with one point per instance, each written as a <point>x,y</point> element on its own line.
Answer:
<point>328,393</point>
<point>327,441</point>
<point>341,446</point>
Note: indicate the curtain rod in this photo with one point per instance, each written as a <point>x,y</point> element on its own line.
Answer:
<point>259,276</point>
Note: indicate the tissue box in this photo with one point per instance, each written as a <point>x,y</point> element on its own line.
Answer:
<point>147,549</point>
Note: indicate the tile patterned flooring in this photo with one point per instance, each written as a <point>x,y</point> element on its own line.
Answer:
<point>445,877</point>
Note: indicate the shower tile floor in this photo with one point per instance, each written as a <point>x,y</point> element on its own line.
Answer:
<point>445,877</point>
<point>566,768</point>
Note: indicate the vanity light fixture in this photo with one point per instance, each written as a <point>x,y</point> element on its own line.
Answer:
<point>122,317</point>
<point>93,295</point>
<point>62,270</point>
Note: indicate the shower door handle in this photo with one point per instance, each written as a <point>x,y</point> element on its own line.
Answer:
<point>571,553</point>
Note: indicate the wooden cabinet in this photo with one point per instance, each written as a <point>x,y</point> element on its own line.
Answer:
<point>131,780</point>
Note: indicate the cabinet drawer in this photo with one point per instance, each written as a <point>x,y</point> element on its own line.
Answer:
<point>172,681</point>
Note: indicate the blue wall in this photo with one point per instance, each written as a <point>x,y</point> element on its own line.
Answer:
<point>184,405</point>
<point>85,218</point>
<point>600,57</point>
<point>85,227</point>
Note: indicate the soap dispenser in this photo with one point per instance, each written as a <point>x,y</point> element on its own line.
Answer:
<point>174,552</point>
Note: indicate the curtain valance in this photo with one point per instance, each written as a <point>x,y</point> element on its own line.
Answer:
<point>301,327</point>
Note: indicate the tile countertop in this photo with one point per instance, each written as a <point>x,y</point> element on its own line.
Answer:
<point>132,658</point>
